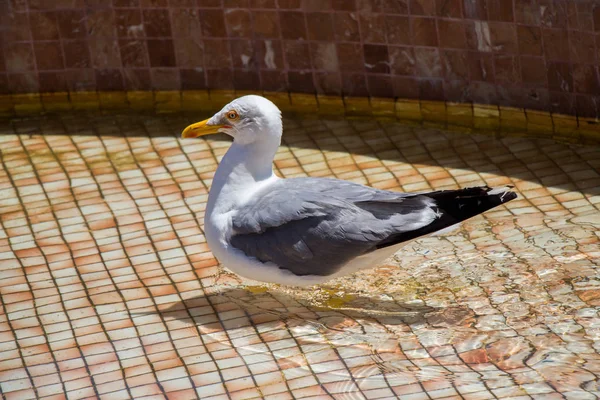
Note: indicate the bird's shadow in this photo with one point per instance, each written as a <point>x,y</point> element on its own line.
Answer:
<point>236,307</point>
<point>230,318</point>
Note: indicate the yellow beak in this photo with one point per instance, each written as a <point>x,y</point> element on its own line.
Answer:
<point>200,129</point>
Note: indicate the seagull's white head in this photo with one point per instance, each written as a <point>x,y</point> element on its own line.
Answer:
<point>247,119</point>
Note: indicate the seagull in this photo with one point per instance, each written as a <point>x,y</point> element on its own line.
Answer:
<point>305,231</point>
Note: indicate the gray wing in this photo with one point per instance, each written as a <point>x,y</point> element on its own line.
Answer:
<point>313,226</point>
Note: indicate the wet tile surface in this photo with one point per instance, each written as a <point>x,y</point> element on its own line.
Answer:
<point>109,290</point>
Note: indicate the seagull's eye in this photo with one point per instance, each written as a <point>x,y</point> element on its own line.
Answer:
<point>232,115</point>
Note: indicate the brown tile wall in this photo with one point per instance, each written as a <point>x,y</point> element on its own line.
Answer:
<point>540,54</point>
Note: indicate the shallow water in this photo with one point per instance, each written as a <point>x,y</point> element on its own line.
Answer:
<point>109,290</point>
<point>513,306</point>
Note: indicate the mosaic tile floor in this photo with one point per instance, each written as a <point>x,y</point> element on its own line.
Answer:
<point>109,290</point>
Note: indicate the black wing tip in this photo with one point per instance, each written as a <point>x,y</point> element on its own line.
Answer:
<point>503,193</point>
<point>455,206</point>
<point>508,196</point>
<point>468,202</point>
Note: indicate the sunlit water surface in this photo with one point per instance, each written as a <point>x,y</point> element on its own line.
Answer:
<point>495,302</point>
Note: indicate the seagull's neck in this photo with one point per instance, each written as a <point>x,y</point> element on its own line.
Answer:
<point>242,171</point>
